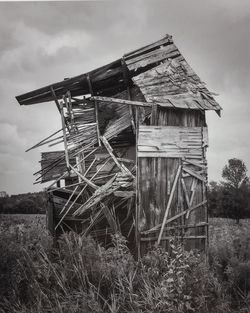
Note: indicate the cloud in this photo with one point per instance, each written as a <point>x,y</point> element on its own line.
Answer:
<point>10,140</point>
<point>44,42</point>
<point>35,49</point>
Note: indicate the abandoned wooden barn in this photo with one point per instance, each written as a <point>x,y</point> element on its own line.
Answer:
<point>134,159</point>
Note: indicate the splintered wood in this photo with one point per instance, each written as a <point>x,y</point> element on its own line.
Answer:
<point>134,139</point>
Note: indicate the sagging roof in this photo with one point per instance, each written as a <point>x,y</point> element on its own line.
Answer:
<point>159,70</point>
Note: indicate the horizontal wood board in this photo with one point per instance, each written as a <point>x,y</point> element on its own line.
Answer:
<point>171,141</point>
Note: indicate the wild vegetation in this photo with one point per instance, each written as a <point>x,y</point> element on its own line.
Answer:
<point>77,275</point>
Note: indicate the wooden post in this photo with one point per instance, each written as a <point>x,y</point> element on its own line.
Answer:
<point>204,191</point>
<point>58,104</point>
<point>96,109</point>
<point>137,195</point>
<point>64,136</point>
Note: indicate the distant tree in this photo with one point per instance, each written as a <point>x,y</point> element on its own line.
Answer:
<point>215,199</point>
<point>235,173</point>
<point>29,203</point>
<point>27,206</point>
<point>236,188</point>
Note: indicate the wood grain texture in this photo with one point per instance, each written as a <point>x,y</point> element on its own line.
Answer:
<point>173,130</point>
<point>170,141</point>
<point>175,78</point>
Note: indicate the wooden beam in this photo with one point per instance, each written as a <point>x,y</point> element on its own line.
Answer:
<point>173,237</point>
<point>96,109</point>
<point>42,141</point>
<point>121,101</point>
<point>169,204</point>
<point>193,173</point>
<point>84,178</point>
<point>64,136</point>
<point>121,166</point>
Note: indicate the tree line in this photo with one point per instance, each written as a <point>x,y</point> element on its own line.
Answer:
<point>230,198</point>
<point>27,203</point>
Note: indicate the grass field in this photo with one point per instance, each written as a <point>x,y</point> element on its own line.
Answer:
<point>82,277</point>
<point>221,230</point>
<point>226,231</point>
<point>10,220</point>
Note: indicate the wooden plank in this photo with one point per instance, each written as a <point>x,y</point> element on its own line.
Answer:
<point>166,40</point>
<point>200,165</point>
<point>185,192</point>
<point>96,109</point>
<point>83,178</point>
<point>120,101</point>
<point>172,237</point>
<point>43,140</point>
<point>64,136</point>
<point>69,208</point>
<point>171,219</point>
<point>69,200</point>
<point>170,141</point>
<point>152,57</point>
<point>75,83</point>
<point>193,173</point>
<point>121,166</point>
<point>174,77</point>
<point>169,204</point>
<point>112,222</point>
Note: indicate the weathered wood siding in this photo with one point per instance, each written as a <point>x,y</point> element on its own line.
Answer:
<point>184,143</point>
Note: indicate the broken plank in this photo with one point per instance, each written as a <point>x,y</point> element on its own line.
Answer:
<point>193,173</point>
<point>171,219</point>
<point>169,204</point>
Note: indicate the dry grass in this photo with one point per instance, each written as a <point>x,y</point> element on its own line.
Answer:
<point>81,276</point>
<point>226,230</point>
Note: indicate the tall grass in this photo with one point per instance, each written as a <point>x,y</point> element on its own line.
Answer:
<point>229,257</point>
<point>79,275</point>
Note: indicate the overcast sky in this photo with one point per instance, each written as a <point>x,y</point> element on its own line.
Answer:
<point>44,42</point>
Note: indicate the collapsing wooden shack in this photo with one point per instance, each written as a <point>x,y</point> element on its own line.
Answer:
<point>134,159</point>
